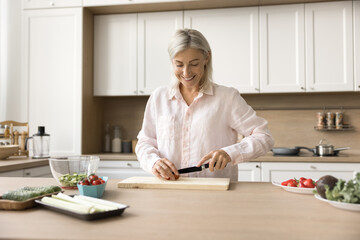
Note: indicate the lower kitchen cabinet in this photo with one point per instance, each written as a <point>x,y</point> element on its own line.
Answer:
<point>121,169</point>
<point>278,171</point>
<point>249,172</point>
<point>43,171</point>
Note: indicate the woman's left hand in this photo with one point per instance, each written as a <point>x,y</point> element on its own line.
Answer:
<point>218,160</point>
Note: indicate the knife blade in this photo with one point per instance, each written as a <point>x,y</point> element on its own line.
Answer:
<point>193,169</point>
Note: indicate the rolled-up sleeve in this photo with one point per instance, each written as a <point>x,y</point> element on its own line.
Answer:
<point>257,139</point>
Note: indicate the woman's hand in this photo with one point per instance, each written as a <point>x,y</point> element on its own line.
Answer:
<point>218,160</point>
<point>164,169</point>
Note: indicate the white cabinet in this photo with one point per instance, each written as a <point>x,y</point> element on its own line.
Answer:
<point>356,19</point>
<point>115,60</point>
<point>52,66</point>
<point>249,172</point>
<point>42,171</point>
<point>279,171</point>
<point>130,52</point>
<point>33,4</point>
<point>282,48</point>
<point>88,3</point>
<point>329,47</point>
<point>154,33</point>
<point>233,37</point>
<point>121,169</point>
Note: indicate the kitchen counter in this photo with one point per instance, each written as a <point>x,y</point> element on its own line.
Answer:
<point>245,211</point>
<point>21,162</point>
<point>349,156</point>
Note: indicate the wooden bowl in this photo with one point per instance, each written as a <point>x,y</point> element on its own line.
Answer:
<point>8,150</point>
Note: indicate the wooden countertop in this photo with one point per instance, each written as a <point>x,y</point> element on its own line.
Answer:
<point>245,211</point>
<point>16,163</point>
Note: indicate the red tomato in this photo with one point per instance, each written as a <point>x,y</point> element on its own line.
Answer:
<point>96,182</point>
<point>302,179</point>
<point>102,181</point>
<point>93,178</point>
<point>285,183</point>
<point>309,183</point>
<point>84,182</point>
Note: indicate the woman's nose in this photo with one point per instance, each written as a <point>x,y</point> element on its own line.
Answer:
<point>186,71</point>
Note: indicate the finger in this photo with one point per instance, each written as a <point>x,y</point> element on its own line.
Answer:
<point>172,167</point>
<point>217,160</point>
<point>224,163</point>
<point>166,171</point>
<point>160,169</point>
<point>204,159</point>
<point>212,164</point>
<point>156,173</point>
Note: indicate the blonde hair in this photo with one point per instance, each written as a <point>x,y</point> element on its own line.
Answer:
<point>190,38</point>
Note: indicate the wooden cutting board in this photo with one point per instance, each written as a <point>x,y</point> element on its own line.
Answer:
<point>181,183</point>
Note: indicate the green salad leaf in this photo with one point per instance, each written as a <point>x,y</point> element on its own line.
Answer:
<point>348,192</point>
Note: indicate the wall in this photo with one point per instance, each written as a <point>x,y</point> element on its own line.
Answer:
<point>291,117</point>
<point>13,93</point>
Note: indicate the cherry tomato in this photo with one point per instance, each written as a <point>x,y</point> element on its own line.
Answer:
<point>102,181</point>
<point>84,182</point>
<point>93,178</point>
<point>285,183</point>
<point>302,179</point>
<point>292,184</point>
<point>96,182</point>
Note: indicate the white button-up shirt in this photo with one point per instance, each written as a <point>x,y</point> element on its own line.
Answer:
<point>184,134</point>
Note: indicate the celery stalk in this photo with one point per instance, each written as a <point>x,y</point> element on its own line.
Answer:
<point>74,207</point>
<point>100,201</point>
<point>67,198</point>
<point>102,207</point>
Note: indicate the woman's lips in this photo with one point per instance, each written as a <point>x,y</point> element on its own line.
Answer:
<point>188,79</point>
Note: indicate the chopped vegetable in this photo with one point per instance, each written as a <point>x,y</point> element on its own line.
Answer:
<point>68,180</point>
<point>74,207</point>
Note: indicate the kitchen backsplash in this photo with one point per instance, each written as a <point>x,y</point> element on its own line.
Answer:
<point>291,117</point>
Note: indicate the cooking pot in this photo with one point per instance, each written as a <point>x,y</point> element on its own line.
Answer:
<point>322,149</point>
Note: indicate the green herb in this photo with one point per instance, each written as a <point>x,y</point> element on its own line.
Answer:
<point>348,192</point>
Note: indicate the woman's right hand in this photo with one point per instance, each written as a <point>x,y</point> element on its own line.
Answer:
<point>165,169</point>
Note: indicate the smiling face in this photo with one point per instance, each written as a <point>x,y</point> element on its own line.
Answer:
<point>189,67</point>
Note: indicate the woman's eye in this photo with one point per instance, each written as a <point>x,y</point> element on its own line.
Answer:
<point>194,65</point>
<point>179,65</point>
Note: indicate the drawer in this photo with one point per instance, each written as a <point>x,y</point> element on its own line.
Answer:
<point>119,164</point>
<point>34,4</point>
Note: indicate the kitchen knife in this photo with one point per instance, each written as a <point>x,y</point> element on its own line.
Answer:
<point>193,169</point>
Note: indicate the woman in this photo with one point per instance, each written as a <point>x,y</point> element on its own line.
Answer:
<point>196,121</point>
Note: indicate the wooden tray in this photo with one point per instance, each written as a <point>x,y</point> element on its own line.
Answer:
<point>20,205</point>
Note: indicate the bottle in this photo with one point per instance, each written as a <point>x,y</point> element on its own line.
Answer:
<point>116,141</point>
<point>107,139</point>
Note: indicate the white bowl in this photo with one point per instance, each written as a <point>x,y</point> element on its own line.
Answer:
<point>68,171</point>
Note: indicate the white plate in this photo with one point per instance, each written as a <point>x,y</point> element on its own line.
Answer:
<point>342,205</point>
<point>295,189</point>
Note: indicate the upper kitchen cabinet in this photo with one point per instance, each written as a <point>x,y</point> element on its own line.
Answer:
<point>329,47</point>
<point>34,4</point>
<point>282,48</point>
<point>88,3</point>
<point>115,57</point>
<point>154,33</point>
<point>130,52</point>
<point>356,28</point>
<point>52,66</point>
<point>233,37</point>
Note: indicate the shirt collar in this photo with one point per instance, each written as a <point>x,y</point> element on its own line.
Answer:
<point>174,91</point>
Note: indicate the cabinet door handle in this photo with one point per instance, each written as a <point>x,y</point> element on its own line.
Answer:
<point>141,91</point>
<point>129,164</point>
<point>257,166</point>
<point>256,89</point>
<point>312,167</point>
<point>52,3</point>
<point>302,88</point>
<point>135,92</point>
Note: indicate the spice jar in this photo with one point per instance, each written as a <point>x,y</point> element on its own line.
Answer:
<point>338,120</point>
<point>320,116</point>
<point>329,120</point>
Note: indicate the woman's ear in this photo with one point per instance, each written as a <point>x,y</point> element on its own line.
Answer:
<point>208,57</point>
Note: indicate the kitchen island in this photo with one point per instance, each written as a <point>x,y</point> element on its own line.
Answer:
<point>245,211</point>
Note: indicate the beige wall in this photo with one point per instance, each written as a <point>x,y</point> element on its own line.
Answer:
<point>291,117</point>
